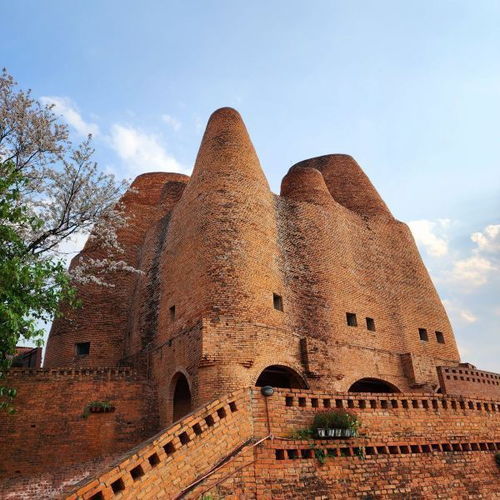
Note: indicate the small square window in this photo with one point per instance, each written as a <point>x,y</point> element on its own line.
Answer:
<point>172,313</point>
<point>82,348</point>
<point>440,337</point>
<point>422,332</point>
<point>370,324</point>
<point>351,319</point>
<point>277,302</point>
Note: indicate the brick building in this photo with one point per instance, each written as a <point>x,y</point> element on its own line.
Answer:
<point>319,292</point>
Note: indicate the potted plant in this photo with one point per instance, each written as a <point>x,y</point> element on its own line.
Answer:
<point>336,423</point>
<point>321,424</point>
<point>97,407</point>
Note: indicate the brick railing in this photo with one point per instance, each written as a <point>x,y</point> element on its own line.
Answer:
<point>177,462</point>
<point>111,373</point>
<point>177,456</point>
<point>306,399</point>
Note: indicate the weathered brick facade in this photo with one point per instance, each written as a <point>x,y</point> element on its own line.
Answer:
<point>319,290</point>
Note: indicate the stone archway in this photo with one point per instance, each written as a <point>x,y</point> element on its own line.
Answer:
<point>181,396</point>
<point>280,376</point>
<point>372,385</point>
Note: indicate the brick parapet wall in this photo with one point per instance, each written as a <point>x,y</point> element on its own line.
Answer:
<point>385,416</point>
<point>468,381</point>
<point>50,443</point>
<point>112,373</point>
<point>404,440</point>
<point>173,459</point>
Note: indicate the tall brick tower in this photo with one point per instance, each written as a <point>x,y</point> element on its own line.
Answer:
<point>317,288</point>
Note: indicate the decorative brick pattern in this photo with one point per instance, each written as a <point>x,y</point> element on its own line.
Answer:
<point>48,443</point>
<point>244,452</point>
<point>467,380</point>
<point>321,282</point>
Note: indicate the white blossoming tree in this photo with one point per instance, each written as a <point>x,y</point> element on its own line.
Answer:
<point>49,192</point>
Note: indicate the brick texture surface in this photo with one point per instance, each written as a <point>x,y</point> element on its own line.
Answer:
<point>48,442</point>
<point>320,280</point>
<point>408,447</point>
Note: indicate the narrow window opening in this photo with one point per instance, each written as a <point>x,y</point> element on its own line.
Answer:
<point>184,438</point>
<point>422,332</point>
<point>169,448</point>
<point>440,337</point>
<point>97,496</point>
<point>280,454</point>
<point>118,486</point>
<point>197,429</point>
<point>370,324</point>
<point>154,460</point>
<point>209,420</point>
<point>82,348</point>
<point>292,454</point>
<point>172,313</point>
<point>351,319</point>
<point>137,473</point>
<point>233,407</point>
<point>221,413</point>
<point>278,302</point>
<point>288,401</point>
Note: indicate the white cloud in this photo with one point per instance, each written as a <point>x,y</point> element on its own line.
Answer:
<point>473,271</point>
<point>141,152</point>
<point>65,107</point>
<point>458,313</point>
<point>173,122</point>
<point>431,235</point>
<point>488,240</point>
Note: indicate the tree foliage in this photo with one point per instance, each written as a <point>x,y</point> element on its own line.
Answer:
<point>50,190</point>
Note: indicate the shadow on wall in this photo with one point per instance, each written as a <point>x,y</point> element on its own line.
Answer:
<point>181,399</point>
<point>372,385</point>
<point>281,376</point>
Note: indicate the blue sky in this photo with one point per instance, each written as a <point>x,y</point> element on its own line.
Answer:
<point>410,89</point>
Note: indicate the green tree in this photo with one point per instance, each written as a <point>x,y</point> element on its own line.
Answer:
<point>31,286</point>
<point>49,192</point>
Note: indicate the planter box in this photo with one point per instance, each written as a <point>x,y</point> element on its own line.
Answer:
<point>335,433</point>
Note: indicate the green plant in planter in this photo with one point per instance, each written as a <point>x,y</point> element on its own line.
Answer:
<point>336,419</point>
<point>105,405</point>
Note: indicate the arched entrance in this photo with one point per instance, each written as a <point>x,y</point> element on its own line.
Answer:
<point>372,385</point>
<point>181,396</point>
<point>280,376</point>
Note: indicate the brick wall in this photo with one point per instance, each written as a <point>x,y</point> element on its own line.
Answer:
<point>47,443</point>
<point>415,446</point>
<point>467,380</point>
<point>167,464</point>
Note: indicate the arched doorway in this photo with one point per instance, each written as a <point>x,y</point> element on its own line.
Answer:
<point>280,376</point>
<point>181,396</point>
<point>372,385</point>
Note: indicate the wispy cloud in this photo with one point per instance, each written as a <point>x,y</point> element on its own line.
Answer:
<point>172,122</point>
<point>488,240</point>
<point>431,235</point>
<point>69,111</point>
<point>140,151</point>
<point>458,313</point>
<point>473,271</point>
